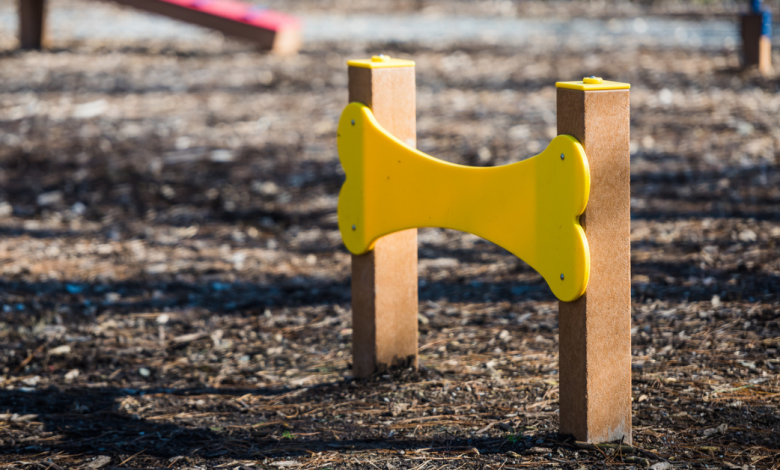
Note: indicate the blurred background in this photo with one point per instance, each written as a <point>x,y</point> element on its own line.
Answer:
<point>173,287</point>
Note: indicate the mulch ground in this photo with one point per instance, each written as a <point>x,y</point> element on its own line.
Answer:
<point>174,293</point>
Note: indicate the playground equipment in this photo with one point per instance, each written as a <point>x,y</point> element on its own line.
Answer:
<point>565,211</point>
<point>271,31</point>
<point>392,187</point>
<point>756,30</point>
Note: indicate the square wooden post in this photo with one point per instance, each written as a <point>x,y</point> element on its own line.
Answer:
<point>757,41</point>
<point>595,330</point>
<point>32,23</point>
<point>384,281</point>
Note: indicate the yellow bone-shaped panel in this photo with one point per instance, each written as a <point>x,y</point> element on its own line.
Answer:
<point>530,208</point>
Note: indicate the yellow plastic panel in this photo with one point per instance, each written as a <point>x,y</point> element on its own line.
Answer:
<point>530,208</point>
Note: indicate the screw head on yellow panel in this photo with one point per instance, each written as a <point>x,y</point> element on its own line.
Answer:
<point>592,80</point>
<point>380,58</point>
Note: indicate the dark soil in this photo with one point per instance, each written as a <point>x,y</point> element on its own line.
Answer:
<point>174,293</point>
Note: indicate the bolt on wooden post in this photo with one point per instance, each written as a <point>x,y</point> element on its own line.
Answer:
<point>595,330</point>
<point>384,280</point>
<point>756,32</point>
<point>32,21</point>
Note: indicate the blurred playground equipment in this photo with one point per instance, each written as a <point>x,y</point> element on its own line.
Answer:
<point>533,208</point>
<point>270,30</point>
<point>756,31</point>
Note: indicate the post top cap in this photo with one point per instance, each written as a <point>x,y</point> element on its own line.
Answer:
<point>380,62</point>
<point>592,84</point>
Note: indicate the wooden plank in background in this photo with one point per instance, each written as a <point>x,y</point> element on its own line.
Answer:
<point>271,30</point>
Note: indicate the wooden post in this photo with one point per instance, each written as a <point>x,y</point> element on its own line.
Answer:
<point>756,44</point>
<point>756,29</point>
<point>595,330</point>
<point>32,22</point>
<point>384,281</point>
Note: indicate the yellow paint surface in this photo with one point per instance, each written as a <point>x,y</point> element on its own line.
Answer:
<point>593,84</point>
<point>380,62</point>
<point>531,208</point>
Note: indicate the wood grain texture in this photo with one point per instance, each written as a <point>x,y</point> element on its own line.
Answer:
<point>765,55</point>
<point>32,24</point>
<point>384,281</point>
<point>595,331</point>
<point>756,48</point>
